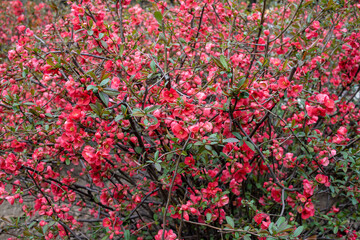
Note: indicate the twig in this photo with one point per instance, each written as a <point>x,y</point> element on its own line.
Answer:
<point>170,189</point>
<point>291,22</point>
<point>222,230</point>
<point>283,202</point>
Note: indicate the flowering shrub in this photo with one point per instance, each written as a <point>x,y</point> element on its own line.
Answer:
<point>182,119</point>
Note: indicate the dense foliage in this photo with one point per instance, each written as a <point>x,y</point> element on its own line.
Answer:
<point>181,120</point>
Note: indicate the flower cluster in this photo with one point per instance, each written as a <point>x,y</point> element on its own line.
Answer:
<point>180,119</point>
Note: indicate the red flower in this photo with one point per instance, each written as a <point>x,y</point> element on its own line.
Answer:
<point>18,147</point>
<point>276,194</point>
<point>84,99</point>
<point>295,90</point>
<point>179,131</point>
<point>76,114</point>
<point>108,145</point>
<point>170,95</point>
<point>308,188</point>
<point>324,161</point>
<point>326,101</point>
<point>89,154</point>
<point>69,126</point>
<point>169,235</point>
<point>263,219</point>
<point>106,222</point>
<point>301,197</point>
<point>308,210</point>
<point>189,161</point>
<point>283,82</point>
<point>342,131</point>
<point>322,179</point>
<point>224,200</point>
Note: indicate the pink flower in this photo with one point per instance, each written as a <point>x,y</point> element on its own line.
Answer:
<point>169,235</point>
<point>107,222</point>
<point>324,161</point>
<point>325,100</point>
<point>69,126</point>
<point>276,194</point>
<point>89,154</point>
<point>308,210</point>
<point>283,82</point>
<point>194,128</point>
<point>322,179</point>
<point>11,199</point>
<point>342,131</point>
<point>179,131</point>
<point>170,95</point>
<point>295,90</point>
<point>115,83</point>
<point>224,200</point>
<point>208,126</point>
<point>11,54</point>
<point>301,197</point>
<point>29,33</point>
<point>263,219</point>
<point>189,161</point>
<point>316,25</point>
<point>308,188</point>
<point>76,114</point>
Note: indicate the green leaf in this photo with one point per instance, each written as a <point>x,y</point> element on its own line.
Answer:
<point>336,229</point>
<point>104,82</point>
<point>153,66</point>
<point>244,94</point>
<point>101,35</point>
<point>280,221</point>
<point>284,226</point>
<point>153,118</point>
<point>156,155</point>
<point>241,82</point>
<point>230,221</point>
<point>138,112</point>
<point>91,87</point>
<point>298,231</point>
<point>250,145</point>
<point>119,117</point>
<point>127,235</point>
<point>121,51</point>
<point>138,150</point>
<point>272,228</point>
<point>158,17</point>
<point>111,91</point>
<point>151,108</point>
<point>104,44</point>
<point>90,32</point>
<point>106,237</point>
<point>158,167</point>
<point>224,63</point>
<point>217,62</point>
<point>123,109</point>
<point>50,62</point>
<point>231,140</point>
<point>238,135</point>
<point>29,103</point>
<point>182,40</point>
<point>208,217</point>
<point>247,237</point>
<point>47,226</point>
<point>105,98</point>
